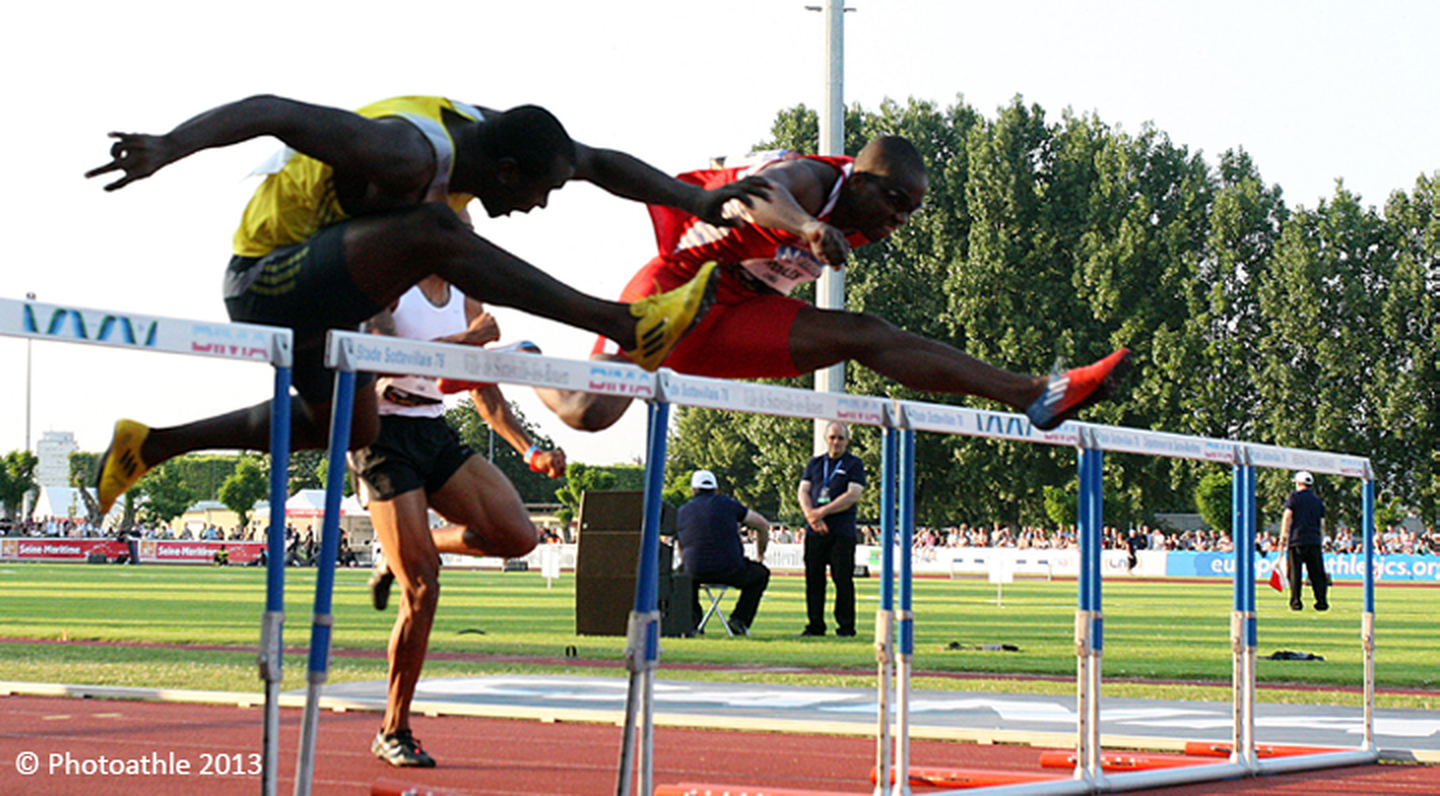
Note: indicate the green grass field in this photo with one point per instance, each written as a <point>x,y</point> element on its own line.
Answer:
<point>1155,633</point>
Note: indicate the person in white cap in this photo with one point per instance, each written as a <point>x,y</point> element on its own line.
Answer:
<point>1302,536</point>
<point>708,527</point>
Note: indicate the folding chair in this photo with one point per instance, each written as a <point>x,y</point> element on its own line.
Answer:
<point>715,592</point>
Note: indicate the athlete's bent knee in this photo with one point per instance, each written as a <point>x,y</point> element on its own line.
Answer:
<point>503,542</point>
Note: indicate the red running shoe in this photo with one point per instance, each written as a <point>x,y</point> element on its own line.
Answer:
<point>1069,392</point>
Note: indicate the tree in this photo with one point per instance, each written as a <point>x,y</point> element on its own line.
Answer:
<point>17,477</point>
<point>306,467</point>
<point>1322,342</point>
<point>246,486</point>
<point>1406,385</point>
<point>1214,499</point>
<point>322,474</point>
<point>1050,241</point>
<point>533,487</point>
<point>580,478</point>
<point>205,472</point>
<point>83,466</point>
<point>166,495</point>
<point>1062,506</point>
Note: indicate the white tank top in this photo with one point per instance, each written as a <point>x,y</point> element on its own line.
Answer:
<point>417,319</point>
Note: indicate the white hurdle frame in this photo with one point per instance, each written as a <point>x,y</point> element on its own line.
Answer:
<point>899,420</point>
<point>36,320</point>
<point>1092,441</point>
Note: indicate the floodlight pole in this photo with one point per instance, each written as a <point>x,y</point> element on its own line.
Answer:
<point>28,343</point>
<point>830,289</point>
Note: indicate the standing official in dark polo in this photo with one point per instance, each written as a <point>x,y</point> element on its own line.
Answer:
<point>708,527</point>
<point>1302,535</point>
<point>829,490</point>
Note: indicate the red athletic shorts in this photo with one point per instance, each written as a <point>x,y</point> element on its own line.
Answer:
<point>745,335</point>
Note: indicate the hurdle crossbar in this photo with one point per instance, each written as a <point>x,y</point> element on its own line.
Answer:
<point>64,323</point>
<point>350,351</point>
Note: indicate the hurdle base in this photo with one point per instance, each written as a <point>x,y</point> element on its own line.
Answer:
<point>391,787</point>
<point>692,789</point>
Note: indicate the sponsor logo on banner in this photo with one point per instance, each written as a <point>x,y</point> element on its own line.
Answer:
<point>165,551</point>
<point>229,341</point>
<point>621,381</point>
<point>58,548</point>
<point>1355,468</point>
<point>864,412</point>
<point>1340,566</point>
<point>1219,452</point>
<point>92,325</point>
<point>1005,425</point>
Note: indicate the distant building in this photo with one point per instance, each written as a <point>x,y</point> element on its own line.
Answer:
<point>53,451</point>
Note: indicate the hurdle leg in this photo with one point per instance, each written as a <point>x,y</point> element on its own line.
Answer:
<point>1242,619</point>
<point>1367,612</point>
<point>324,620</point>
<point>885,614</point>
<point>905,617</point>
<point>1089,620</point>
<point>272,656</point>
<point>642,648</point>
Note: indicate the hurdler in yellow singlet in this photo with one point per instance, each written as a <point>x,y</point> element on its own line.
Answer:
<point>297,201</point>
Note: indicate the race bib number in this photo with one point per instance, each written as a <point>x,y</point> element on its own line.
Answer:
<point>791,266</point>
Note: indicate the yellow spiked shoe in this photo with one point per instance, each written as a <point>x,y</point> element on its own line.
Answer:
<point>121,466</point>
<point>662,319</point>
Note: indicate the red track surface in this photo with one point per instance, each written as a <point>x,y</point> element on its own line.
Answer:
<point>499,757</point>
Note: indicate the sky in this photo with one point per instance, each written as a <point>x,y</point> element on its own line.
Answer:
<point>1315,90</point>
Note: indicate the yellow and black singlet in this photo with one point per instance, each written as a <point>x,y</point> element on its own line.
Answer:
<point>298,197</point>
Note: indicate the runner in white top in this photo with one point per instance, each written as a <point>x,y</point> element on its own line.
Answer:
<point>418,463</point>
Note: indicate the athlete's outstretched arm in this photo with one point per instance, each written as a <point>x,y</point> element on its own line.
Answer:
<point>798,191</point>
<point>394,156</point>
<point>628,176</point>
<point>491,405</point>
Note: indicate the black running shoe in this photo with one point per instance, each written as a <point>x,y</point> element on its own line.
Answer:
<point>381,579</point>
<point>401,749</point>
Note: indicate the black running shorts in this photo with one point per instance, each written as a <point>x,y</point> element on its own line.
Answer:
<point>410,453</point>
<point>306,288</point>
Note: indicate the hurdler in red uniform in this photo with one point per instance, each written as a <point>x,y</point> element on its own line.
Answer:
<point>817,209</point>
<point>746,333</point>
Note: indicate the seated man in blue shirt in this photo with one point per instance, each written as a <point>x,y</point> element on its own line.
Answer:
<point>708,527</point>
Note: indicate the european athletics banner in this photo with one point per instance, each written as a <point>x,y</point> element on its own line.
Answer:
<point>1340,566</point>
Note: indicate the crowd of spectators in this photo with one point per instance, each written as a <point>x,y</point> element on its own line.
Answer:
<point>1394,540</point>
<point>81,528</point>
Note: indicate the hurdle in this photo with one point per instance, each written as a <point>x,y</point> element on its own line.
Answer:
<point>347,352</point>
<point>899,421</point>
<point>233,341</point>
<point>1092,441</point>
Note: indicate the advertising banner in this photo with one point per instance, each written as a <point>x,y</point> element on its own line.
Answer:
<point>1340,566</point>
<point>152,551</point>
